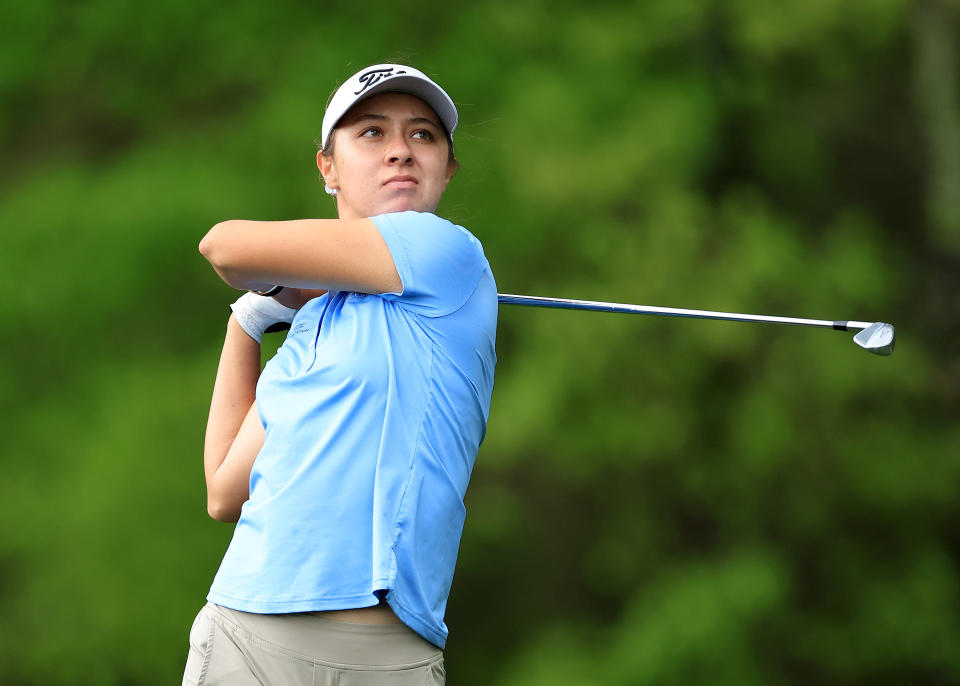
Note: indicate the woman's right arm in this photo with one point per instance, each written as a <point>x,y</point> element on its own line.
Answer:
<point>336,254</point>
<point>234,433</point>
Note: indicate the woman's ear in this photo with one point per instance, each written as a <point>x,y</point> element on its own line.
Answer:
<point>451,170</point>
<point>328,171</point>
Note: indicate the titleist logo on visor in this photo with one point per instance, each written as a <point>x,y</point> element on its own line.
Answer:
<point>375,76</point>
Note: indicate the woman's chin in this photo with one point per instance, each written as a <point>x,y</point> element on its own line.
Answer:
<point>397,203</point>
<point>402,204</point>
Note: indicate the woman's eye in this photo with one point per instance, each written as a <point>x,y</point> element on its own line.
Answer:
<point>423,135</point>
<point>372,131</point>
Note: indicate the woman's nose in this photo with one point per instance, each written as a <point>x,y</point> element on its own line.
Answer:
<point>398,151</point>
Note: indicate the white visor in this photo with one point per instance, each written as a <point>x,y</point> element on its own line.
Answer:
<point>388,78</point>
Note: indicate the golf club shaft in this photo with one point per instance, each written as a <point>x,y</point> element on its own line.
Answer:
<point>562,303</point>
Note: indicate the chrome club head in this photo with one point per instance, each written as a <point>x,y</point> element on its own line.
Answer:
<point>877,338</point>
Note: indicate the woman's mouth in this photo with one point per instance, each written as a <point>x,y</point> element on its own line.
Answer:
<point>400,182</point>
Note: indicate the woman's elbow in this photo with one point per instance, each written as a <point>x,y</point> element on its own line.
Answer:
<point>212,245</point>
<point>222,511</point>
<point>215,246</point>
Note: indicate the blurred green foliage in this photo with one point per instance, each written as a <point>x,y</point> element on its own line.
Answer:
<point>657,501</point>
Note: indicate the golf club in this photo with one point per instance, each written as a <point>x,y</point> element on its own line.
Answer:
<point>874,337</point>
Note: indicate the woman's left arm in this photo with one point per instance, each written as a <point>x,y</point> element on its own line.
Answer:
<point>234,434</point>
<point>335,254</point>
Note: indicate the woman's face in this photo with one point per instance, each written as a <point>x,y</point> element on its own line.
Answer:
<point>390,155</point>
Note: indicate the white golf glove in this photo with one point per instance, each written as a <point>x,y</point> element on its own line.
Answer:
<point>257,313</point>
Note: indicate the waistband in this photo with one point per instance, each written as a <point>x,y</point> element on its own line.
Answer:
<point>333,642</point>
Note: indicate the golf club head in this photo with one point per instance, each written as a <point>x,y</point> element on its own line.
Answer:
<point>877,338</point>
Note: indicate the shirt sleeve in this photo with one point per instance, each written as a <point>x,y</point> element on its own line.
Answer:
<point>439,262</point>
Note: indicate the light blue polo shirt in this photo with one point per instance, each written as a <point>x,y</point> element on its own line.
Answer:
<point>374,408</point>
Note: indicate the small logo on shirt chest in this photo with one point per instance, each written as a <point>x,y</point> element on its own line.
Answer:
<point>300,328</point>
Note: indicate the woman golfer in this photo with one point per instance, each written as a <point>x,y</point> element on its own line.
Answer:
<point>345,462</point>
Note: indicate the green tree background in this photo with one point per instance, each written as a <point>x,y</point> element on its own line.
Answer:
<point>657,501</point>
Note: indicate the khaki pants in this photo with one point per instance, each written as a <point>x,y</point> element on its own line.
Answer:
<point>239,648</point>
